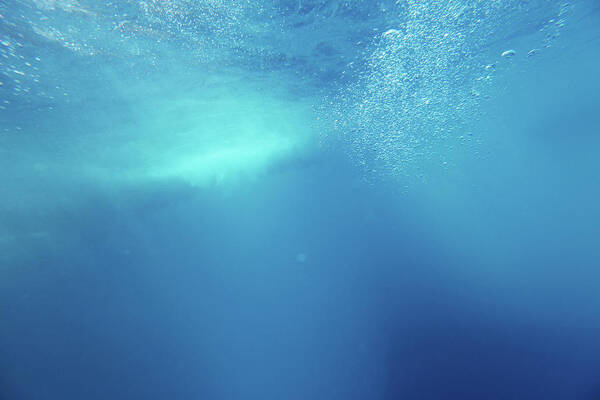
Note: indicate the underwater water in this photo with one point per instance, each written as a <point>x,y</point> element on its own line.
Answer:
<point>299,199</point>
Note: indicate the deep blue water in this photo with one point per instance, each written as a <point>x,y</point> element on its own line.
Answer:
<point>299,199</point>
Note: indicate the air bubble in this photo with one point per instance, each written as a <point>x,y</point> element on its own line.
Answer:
<point>390,33</point>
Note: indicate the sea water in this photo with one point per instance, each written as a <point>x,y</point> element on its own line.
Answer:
<point>299,199</point>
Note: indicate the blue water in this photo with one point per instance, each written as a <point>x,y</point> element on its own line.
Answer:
<point>299,199</point>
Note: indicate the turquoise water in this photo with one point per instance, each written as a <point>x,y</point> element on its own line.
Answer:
<point>294,199</point>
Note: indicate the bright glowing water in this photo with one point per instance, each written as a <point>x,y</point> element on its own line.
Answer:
<point>312,199</point>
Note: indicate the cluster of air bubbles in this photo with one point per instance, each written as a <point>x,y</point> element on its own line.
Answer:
<point>555,25</point>
<point>32,34</point>
<point>426,77</point>
<point>208,27</point>
<point>152,34</point>
<point>133,33</point>
<point>19,74</point>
